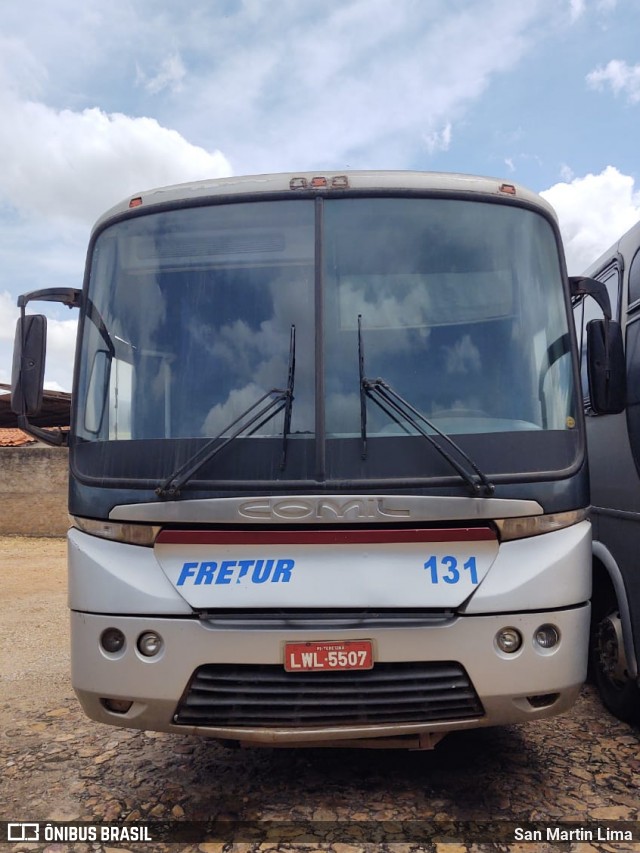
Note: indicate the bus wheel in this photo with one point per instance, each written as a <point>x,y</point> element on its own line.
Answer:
<point>619,693</point>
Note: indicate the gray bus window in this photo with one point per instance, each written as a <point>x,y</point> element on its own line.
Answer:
<point>632,348</point>
<point>634,279</point>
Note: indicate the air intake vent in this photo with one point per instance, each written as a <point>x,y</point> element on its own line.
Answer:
<point>267,696</point>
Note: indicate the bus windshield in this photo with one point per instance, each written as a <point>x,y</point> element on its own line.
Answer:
<point>188,323</point>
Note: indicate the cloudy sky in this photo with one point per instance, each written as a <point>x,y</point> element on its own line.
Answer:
<point>100,100</point>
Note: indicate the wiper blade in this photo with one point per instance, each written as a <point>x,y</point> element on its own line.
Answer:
<point>249,422</point>
<point>403,413</point>
<point>286,427</point>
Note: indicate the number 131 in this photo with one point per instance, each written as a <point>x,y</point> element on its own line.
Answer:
<point>447,569</point>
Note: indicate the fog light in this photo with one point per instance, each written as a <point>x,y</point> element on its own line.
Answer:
<point>112,640</point>
<point>117,706</point>
<point>509,640</point>
<point>547,636</point>
<point>149,644</point>
<point>543,700</point>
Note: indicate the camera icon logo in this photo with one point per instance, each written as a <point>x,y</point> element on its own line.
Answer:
<point>23,832</point>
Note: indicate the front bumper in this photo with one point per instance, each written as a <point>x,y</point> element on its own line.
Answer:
<point>526,685</point>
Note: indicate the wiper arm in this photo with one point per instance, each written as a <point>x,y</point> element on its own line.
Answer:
<point>403,413</point>
<point>249,422</point>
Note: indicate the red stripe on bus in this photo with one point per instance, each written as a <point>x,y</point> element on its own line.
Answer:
<point>323,537</point>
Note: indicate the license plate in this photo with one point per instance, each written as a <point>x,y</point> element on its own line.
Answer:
<point>318,656</point>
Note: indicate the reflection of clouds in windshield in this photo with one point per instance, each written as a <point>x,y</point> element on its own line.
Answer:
<point>463,357</point>
<point>339,411</point>
<point>460,406</point>
<point>258,358</point>
<point>141,327</point>
<point>238,401</point>
<point>559,398</point>
<point>384,304</point>
<point>253,350</point>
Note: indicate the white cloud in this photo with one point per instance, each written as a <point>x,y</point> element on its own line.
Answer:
<point>438,140</point>
<point>594,211</point>
<point>61,344</point>
<point>170,76</point>
<point>576,9</point>
<point>61,168</point>
<point>623,79</point>
<point>365,82</point>
<point>8,316</point>
<point>78,164</point>
<point>566,173</point>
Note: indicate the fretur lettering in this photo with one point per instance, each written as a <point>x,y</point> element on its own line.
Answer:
<point>227,572</point>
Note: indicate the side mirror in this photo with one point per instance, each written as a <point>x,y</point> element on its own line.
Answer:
<point>606,367</point>
<point>27,376</point>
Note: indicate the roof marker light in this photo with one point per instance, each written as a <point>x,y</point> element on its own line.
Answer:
<point>509,189</point>
<point>337,182</point>
<point>135,202</point>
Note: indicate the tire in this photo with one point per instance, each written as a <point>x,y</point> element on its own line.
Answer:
<point>620,694</point>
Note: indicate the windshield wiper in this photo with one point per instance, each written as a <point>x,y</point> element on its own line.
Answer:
<point>403,413</point>
<point>288,403</point>
<point>249,422</point>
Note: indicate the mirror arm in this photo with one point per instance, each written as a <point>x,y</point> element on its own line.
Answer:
<point>69,296</point>
<point>580,285</point>
<point>58,438</point>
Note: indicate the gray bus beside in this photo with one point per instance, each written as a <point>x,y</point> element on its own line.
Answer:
<point>614,460</point>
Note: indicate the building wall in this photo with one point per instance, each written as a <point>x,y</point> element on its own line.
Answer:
<point>33,490</point>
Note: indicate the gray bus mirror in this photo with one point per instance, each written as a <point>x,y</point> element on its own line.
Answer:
<point>606,368</point>
<point>27,376</point>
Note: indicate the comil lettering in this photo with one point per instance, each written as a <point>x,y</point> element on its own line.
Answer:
<point>299,509</point>
<point>225,572</point>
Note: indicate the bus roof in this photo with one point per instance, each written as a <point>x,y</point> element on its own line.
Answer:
<point>626,246</point>
<point>325,183</point>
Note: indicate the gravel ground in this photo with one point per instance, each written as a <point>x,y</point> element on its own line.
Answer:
<point>60,766</point>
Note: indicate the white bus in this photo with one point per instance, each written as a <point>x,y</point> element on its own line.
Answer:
<point>327,460</point>
<point>614,462</point>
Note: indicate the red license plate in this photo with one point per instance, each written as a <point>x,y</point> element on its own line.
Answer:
<point>318,656</point>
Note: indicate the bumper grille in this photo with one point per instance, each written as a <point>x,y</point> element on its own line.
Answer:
<point>238,696</point>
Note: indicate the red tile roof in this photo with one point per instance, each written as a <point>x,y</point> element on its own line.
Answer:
<point>14,438</point>
<point>56,409</point>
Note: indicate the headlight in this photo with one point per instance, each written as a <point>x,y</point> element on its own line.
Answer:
<point>534,525</point>
<point>509,640</point>
<point>131,534</point>
<point>149,644</point>
<point>547,636</point>
<point>112,640</point>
